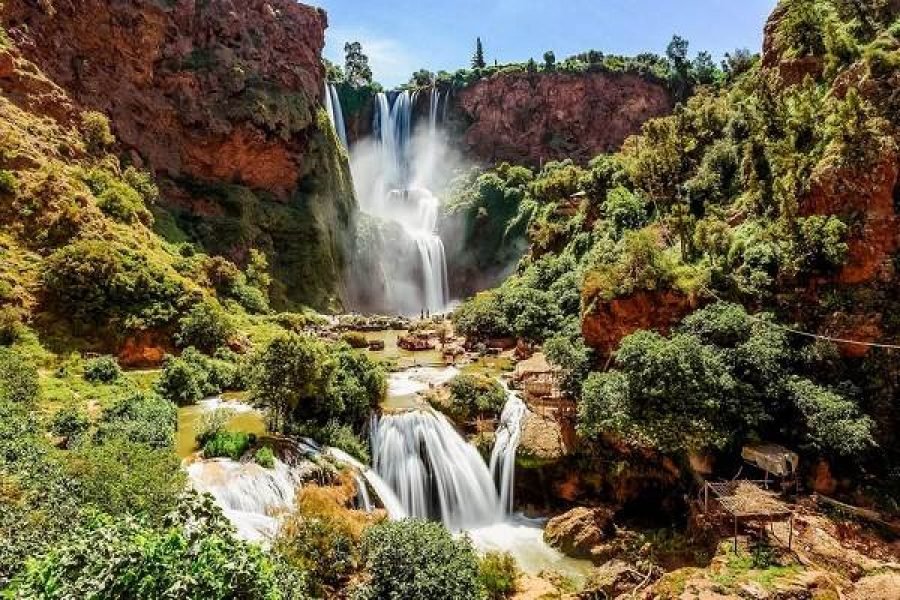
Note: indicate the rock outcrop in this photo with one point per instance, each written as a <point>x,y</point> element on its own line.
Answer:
<point>577,532</point>
<point>222,100</point>
<point>533,118</point>
<point>606,323</point>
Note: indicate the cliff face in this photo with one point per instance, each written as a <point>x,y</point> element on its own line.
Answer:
<point>221,101</point>
<point>535,118</point>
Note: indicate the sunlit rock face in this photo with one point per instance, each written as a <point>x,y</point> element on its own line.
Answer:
<point>537,118</point>
<point>223,101</point>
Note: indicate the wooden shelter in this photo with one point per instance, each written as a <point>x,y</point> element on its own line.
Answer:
<point>744,501</point>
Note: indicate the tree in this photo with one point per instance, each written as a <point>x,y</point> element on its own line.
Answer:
<point>19,381</point>
<point>704,68</point>
<point>478,58</point>
<point>737,63</point>
<point>549,60</point>
<point>206,327</point>
<point>676,52</point>
<point>356,65</point>
<point>292,372</point>
<point>419,560</point>
<point>476,395</point>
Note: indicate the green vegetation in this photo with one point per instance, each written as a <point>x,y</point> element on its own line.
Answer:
<point>103,369</point>
<point>474,395</point>
<point>206,327</point>
<point>228,444</point>
<point>265,457</point>
<point>498,573</point>
<point>419,560</point>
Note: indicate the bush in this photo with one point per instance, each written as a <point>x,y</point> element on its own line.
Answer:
<point>498,573</point>
<point>96,282</point>
<point>324,547</point>
<point>122,203</point>
<point>419,560</point>
<point>211,423</point>
<point>96,132</point>
<point>206,327</point>
<point>19,379</point>
<point>9,184</point>
<point>265,458</point>
<point>476,395</point>
<point>355,340</point>
<point>141,418</point>
<point>228,444</point>
<point>103,369</point>
<point>70,422</point>
<point>11,327</point>
<point>197,553</point>
<point>182,382</point>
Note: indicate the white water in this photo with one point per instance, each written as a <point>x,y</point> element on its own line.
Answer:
<point>335,112</point>
<point>252,497</point>
<point>506,442</point>
<point>392,179</point>
<point>418,379</point>
<point>434,472</point>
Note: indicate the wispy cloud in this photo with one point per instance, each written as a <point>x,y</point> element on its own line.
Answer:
<point>391,61</point>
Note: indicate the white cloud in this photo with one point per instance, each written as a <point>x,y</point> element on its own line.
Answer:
<point>392,63</point>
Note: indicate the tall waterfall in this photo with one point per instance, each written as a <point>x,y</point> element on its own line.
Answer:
<point>335,112</point>
<point>506,442</point>
<point>392,179</point>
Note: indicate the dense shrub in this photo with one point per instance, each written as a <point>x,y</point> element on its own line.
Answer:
<point>265,457</point>
<point>123,203</point>
<point>142,418</point>
<point>96,132</point>
<point>98,282</point>
<point>11,327</point>
<point>498,573</point>
<point>120,558</point>
<point>182,382</point>
<point>70,422</point>
<point>207,327</point>
<point>103,369</point>
<point>419,560</point>
<point>9,184</point>
<point>306,381</point>
<point>19,380</point>
<point>228,444</point>
<point>476,395</point>
<point>481,318</point>
<point>324,547</point>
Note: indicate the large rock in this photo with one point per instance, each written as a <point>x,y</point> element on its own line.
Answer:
<point>578,532</point>
<point>534,118</point>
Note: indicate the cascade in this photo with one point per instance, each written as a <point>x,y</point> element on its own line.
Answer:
<point>506,442</point>
<point>395,190</point>
<point>335,112</point>
<point>433,471</point>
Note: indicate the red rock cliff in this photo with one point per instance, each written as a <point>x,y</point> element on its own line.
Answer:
<point>211,94</point>
<point>533,118</point>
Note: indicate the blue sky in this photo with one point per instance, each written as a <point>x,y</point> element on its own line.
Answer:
<point>403,36</point>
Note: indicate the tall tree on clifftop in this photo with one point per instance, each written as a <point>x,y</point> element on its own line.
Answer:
<point>478,59</point>
<point>356,65</point>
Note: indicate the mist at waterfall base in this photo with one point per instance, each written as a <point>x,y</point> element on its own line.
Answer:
<point>399,261</point>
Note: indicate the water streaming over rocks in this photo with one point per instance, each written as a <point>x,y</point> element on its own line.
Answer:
<point>336,112</point>
<point>506,442</point>
<point>393,177</point>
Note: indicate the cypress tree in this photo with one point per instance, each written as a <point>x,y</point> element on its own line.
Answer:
<point>478,59</point>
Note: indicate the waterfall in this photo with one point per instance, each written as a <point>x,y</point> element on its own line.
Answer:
<point>506,442</point>
<point>335,112</point>
<point>395,190</point>
<point>433,471</point>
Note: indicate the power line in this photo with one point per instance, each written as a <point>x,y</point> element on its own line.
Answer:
<point>815,336</point>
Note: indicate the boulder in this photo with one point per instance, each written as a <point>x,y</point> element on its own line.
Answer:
<point>577,532</point>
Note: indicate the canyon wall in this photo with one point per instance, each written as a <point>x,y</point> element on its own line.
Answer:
<point>534,118</point>
<point>222,101</point>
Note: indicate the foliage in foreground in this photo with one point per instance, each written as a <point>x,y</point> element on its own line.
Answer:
<point>419,560</point>
<point>194,555</point>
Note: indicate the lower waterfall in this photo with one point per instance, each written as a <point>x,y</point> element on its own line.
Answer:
<point>506,442</point>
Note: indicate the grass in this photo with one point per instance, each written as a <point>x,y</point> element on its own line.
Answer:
<point>740,568</point>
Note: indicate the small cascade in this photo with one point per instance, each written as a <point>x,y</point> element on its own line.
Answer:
<point>251,496</point>
<point>335,112</point>
<point>506,442</point>
<point>383,491</point>
<point>433,471</point>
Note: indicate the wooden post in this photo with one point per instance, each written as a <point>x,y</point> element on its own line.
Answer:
<point>791,531</point>
<point>706,497</point>
<point>735,534</point>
